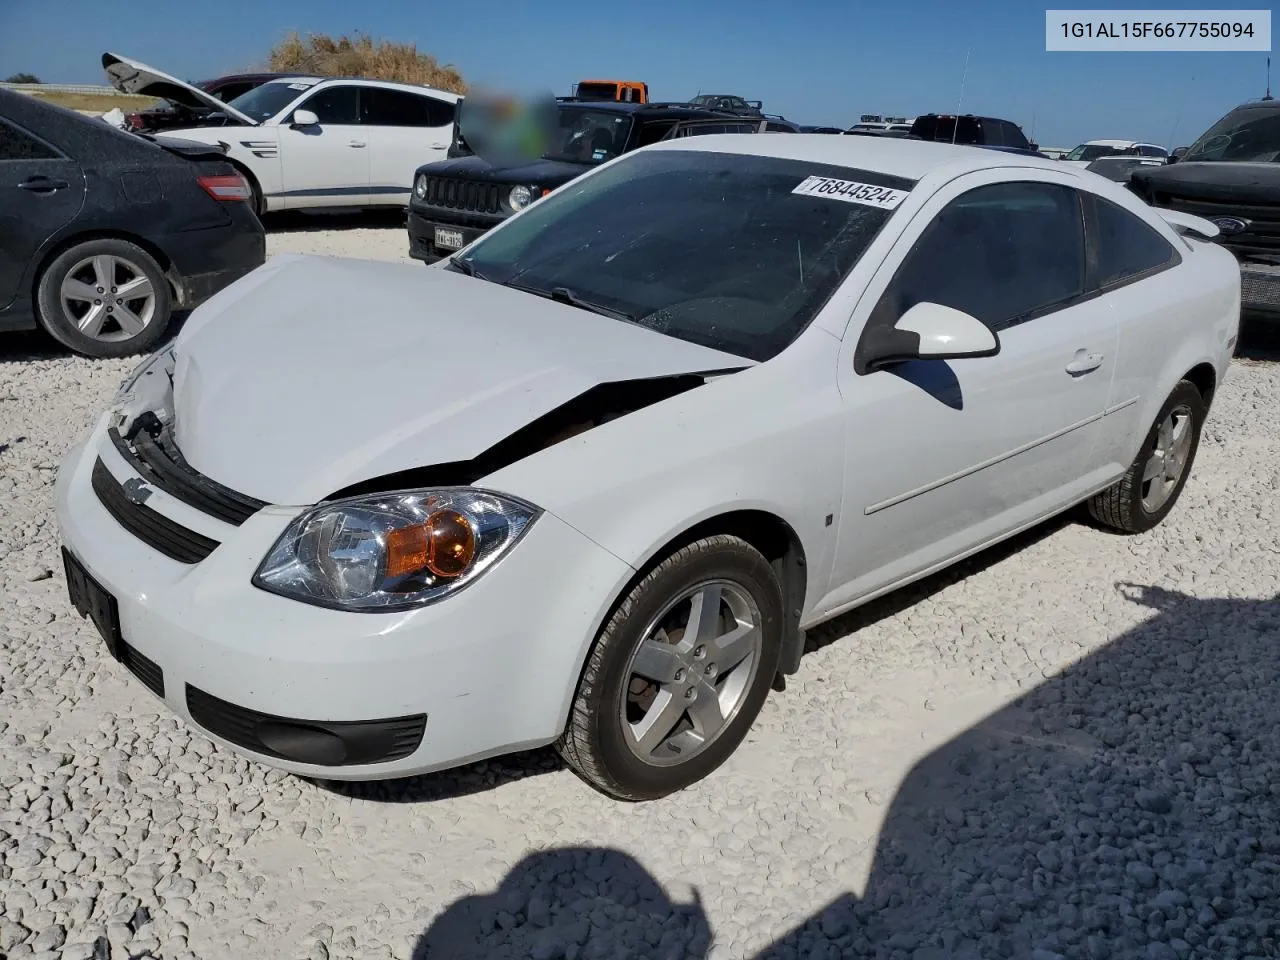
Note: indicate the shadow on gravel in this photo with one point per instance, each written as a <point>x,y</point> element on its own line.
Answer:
<point>459,782</point>
<point>22,346</point>
<point>1129,807</point>
<point>1259,339</point>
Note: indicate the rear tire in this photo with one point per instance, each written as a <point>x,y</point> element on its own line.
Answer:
<point>104,298</point>
<point>1147,492</point>
<point>679,672</point>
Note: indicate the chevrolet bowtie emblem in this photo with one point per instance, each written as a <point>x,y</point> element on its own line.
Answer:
<point>136,491</point>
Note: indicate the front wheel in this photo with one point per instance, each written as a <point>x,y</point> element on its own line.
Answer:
<point>1147,492</point>
<point>679,673</point>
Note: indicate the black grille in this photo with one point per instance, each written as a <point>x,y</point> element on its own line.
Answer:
<point>145,669</point>
<point>334,743</point>
<point>161,464</point>
<point>1262,234</point>
<point>468,195</point>
<point>154,529</point>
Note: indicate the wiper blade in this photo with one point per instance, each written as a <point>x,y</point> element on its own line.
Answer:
<point>466,267</point>
<point>567,296</point>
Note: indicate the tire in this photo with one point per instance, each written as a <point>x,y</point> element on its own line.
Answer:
<point>615,703</point>
<point>1129,506</point>
<point>75,306</point>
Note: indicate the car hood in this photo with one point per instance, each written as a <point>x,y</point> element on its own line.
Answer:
<point>131,76</point>
<point>1226,181</point>
<point>534,172</point>
<point>316,373</point>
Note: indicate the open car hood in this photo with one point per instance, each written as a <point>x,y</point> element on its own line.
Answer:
<point>130,76</point>
<point>313,374</point>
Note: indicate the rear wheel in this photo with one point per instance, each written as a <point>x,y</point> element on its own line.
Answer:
<point>679,673</point>
<point>1154,481</point>
<point>104,298</point>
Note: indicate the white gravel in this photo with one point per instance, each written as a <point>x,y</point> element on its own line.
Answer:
<point>1067,749</point>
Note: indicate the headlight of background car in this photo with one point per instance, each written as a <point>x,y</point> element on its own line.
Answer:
<point>393,551</point>
<point>520,197</point>
<point>420,186</point>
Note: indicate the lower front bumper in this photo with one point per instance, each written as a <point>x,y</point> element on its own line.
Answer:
<point>337,695</point>
<point>1260,288</point>
<point>422,236</point>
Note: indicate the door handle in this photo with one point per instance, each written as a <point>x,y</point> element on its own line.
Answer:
<point>355,143</point>
<point>43,185</point>
<point>1084,363</point>
<point>439,146</point>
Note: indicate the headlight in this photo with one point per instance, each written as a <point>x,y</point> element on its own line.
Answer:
<point>420,186</point>
<point>520,198</point>
<point>151,364</point>
<point>393,551</point>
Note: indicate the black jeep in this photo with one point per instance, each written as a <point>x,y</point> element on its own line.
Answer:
<point>455,201</point>
<point>1231,175</point>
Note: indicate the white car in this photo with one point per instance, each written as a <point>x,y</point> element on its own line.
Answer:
<point>588,481</point>
<point>311,142</point>
<point>1091,150</point>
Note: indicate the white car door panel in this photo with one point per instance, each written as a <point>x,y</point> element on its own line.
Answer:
<point>943,455</point>
<point>405,130</point>
<point>326,163</point>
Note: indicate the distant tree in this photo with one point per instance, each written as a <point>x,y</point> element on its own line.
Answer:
<point>360,56</point>
<point>23,78</point>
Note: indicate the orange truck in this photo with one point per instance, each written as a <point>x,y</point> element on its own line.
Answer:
<point>626,91</point>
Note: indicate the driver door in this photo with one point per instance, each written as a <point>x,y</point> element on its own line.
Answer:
<point>945,456</point>
<point>326,164</point>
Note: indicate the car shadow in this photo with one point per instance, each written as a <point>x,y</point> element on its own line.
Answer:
<point>23,346</point>
<point>303,221</point>
<point>1259,339</point>
<point>1126,807</point>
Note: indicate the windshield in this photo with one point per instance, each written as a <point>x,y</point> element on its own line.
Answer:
<point>730,251</point>
<point>583,135</point>
<point>1240,136</point>
<point>1092,151</point>
<point>264,102</point>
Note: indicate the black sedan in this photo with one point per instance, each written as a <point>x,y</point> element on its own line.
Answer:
<point>106,233</point>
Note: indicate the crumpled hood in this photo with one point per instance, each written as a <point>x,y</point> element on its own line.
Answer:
<point>314,373</point>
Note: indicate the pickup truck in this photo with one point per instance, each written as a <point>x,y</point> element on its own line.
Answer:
<point>1231,177</point>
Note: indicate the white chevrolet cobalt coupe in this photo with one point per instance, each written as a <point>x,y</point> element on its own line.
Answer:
<point>590,480</point>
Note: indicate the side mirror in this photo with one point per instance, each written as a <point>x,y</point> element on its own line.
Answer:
<point>927,331</point>
<point>305,118</point>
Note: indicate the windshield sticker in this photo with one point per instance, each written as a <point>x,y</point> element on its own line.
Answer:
<point>851,191</point>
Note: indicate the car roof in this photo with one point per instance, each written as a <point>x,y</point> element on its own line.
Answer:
<point>1114,143</point>
<point>892,156</point>
<point>369,82</point>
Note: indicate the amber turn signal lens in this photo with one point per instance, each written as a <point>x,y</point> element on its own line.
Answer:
<point>445,545</point>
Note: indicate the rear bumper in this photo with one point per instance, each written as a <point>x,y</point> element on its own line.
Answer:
<point>202,262</point>
<point>422,233</point>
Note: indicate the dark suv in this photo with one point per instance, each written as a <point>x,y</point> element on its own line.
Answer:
<point>1231,176</point>
<point>971,130</point>
<point>455,201</point>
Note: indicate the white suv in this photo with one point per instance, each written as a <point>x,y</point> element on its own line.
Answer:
<point>308,142</point>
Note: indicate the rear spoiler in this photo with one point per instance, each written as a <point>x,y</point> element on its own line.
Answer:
<point>1185,223</point>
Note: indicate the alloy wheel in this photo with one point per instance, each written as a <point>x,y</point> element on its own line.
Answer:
<point>1168,459</point>
<point>108,298</point>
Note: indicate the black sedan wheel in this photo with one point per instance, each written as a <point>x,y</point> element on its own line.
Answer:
<point>105,298</point>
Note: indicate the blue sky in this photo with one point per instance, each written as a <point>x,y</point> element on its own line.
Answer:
<point>815,61</point>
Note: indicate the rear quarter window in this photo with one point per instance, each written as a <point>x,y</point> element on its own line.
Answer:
<point>1125,248</point>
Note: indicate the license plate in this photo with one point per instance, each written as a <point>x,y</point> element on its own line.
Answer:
<point>452,239</point>
<point>92,600</point>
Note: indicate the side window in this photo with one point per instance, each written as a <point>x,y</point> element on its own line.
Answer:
<point>1013,135</point>
<point>1002,253</point>
<point>337,105</point>
<point>653,131</point>
<point>16,144</point>
<point>1126,248</point>
<point>398,108</point>
<point>989,132</point>
<point>1147,151</point>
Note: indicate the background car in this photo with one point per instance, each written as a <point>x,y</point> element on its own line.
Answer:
<point>170,114</point>
<point>312,142</point>
<point>729,103</point>
<point>610,463</point>
<point>1091,150</point>
<point>455,201</point>
<point>971,130</point>
<point>107,232</point>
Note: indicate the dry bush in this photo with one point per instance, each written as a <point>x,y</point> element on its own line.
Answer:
<point>361,57</point>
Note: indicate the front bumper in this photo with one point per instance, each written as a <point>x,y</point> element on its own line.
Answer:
<point>422,232</point>
<point>1260,288</point>
<point>330,694</point>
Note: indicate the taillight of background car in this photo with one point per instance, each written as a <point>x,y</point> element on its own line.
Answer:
<point>230,186</point>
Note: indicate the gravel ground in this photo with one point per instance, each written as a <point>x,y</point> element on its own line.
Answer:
<point>1067,748</point>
